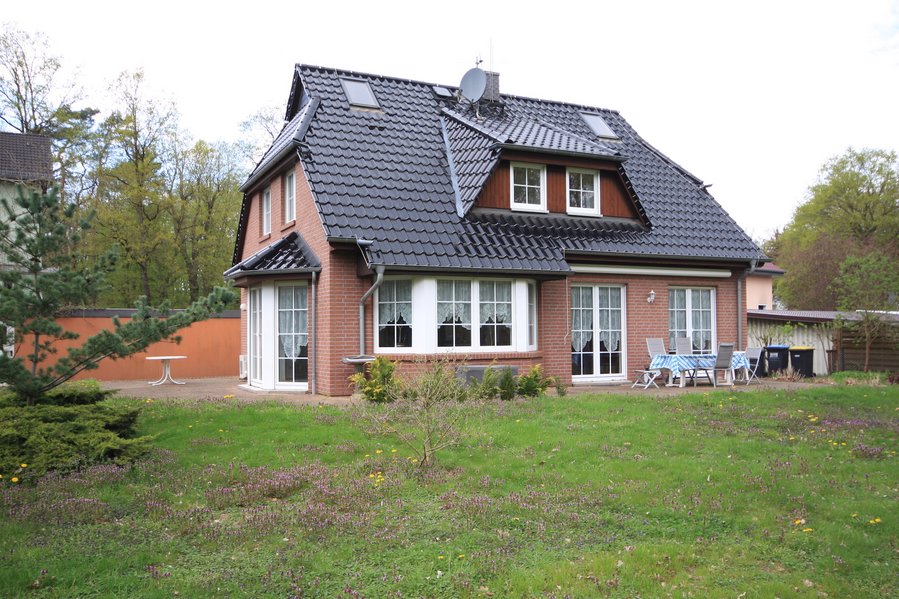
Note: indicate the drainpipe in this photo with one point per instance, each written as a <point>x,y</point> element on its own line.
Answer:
<point>379,278</point>
<point>312,375</point>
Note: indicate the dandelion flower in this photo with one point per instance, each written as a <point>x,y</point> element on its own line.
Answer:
<point>461,556</point>
<point>877,520</point>
<point>1,476</point>
<point>807,529</point>
<point>24,465</point>
<point>228,397</point>
<point>439,557</point>
<point>378,451</point>
<point>14,479</point>
<point>392,451</point>
<point>368,455</point>
<point>854,515</point>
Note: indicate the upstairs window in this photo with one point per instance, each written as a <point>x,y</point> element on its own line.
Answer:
<point>528,187</point>
<point>583,191</point>
<point>598,125</point>
<point>265,208</point>
<point>359,93</point>
<point>290,197</point>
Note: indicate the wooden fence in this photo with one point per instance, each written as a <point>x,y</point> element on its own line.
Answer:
<point>212,348</point>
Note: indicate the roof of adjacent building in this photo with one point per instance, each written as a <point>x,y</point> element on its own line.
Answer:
<point>769,269</point>
<point>405,177</point>
<point>25,157</point>
<point>813,316</point>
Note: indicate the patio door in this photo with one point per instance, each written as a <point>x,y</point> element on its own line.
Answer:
<point>254,335</point>
<point>597,332</point>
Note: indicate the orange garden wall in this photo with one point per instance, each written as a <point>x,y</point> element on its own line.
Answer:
<point>212,348</point>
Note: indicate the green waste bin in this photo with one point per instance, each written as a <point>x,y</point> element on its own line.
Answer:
<point>802,359</point>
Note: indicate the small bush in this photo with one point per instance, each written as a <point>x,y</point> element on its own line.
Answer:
<point>63,438</point>
<point>508,386</point>
<point>377,383</point>
<point>488,388</point>
<point>71,393</point>
<point>534,384</point>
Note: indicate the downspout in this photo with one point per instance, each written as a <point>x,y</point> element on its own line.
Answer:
<point>312,375</point>
<point>379,278</point>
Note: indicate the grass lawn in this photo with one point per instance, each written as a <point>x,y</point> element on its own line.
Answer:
<point>718,494</point>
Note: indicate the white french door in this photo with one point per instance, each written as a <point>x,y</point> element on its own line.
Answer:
<point>597,332</point>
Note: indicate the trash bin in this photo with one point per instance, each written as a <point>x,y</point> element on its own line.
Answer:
<point>802,359</point>
<point>778,357</point>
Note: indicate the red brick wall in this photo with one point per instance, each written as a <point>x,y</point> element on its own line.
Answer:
<point>340,287</point>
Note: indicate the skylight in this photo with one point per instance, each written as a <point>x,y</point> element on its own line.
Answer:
<point>598,125</point>
<point>359,93</point>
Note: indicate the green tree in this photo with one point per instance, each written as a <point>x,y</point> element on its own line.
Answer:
<point>44,281</point>
<point>202,206</point>
<point>868,287</point>
<point>852,210</point>
<point>130,198</point>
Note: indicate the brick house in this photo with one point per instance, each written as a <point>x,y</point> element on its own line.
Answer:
<point>394,217</point>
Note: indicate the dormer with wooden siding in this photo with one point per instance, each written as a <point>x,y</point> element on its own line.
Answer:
<point>614,200</point>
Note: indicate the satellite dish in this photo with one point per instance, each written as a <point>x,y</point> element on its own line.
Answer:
<point>474,84</point>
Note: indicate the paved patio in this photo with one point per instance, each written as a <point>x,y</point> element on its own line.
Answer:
<point>227,387</point>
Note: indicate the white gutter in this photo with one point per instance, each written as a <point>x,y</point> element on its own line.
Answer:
<point>379,278</point>
<point>650,271</point>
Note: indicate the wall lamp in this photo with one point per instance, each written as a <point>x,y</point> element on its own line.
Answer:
<point>651,297</point>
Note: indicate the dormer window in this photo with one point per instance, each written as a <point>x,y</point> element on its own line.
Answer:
<point>528,187</point>
<point>582,191</point>
<point>359,93</point>
<point>598,125</point>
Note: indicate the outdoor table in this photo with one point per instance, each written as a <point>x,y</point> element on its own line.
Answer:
<point>676,364</point>
<point>166,369</point>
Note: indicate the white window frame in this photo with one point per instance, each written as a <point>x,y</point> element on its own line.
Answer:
<point>266,209</point>
<point>279,384</point>
<point>424,318</point>
<point>255,336</point>
<point>688,307</point>
<point>595,211</point>
<point>527,207</point>
<point>290,197</point>
<point>532,315</point>
<point>377,315</point>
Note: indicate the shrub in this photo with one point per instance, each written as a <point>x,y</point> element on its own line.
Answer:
<point>63,438</point>
<point>428,413</point>
<point>534,384</point>
<point>377,383</point>
<point>488,388</point>
<point>508,386</point>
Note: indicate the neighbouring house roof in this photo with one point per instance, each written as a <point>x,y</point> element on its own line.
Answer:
<point>769,269</point>
<point>810,316</point>
<point>406,176</point>
<point>290,254</point>
<point>25,157</point>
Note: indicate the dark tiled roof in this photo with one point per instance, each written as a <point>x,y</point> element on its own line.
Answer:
<point>25,157</point>
<point>288,254</point>
<point>385,176</point>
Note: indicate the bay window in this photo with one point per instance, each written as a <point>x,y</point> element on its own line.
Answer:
<point>428,315</point>
<point>395,314</point>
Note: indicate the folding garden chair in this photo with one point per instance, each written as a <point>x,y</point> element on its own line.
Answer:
<point>754,355</point>
<point>722,364</point>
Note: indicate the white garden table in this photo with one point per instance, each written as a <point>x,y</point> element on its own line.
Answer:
<point>166,369</point>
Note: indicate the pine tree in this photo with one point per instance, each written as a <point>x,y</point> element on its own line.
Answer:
<point>41,280</point>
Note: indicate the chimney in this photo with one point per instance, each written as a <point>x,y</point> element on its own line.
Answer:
<point>491,94</point>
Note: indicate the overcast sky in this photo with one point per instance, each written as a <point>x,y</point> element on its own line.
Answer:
<point>751,97</point>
